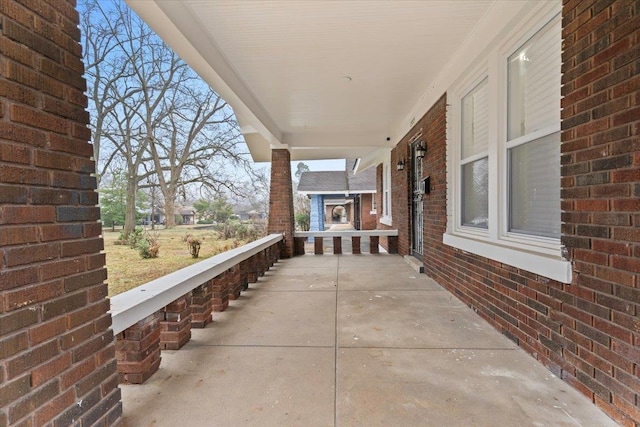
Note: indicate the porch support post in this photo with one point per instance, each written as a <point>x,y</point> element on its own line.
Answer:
<point>220,292</point>
<point>201,305</point>
<point>175,326</point>
<point>373,244</point>
<point>281,217</point>
<point>318,246</point>
<point>355,245</point>
<point>138,350</point>
<point>337,245</point>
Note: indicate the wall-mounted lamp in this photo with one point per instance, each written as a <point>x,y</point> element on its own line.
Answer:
<point>421,150</point>
<point>400,164</point>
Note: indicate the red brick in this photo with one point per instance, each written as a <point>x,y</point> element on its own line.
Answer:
<point>10,345</point>
<point>26,214</point>
<point>50,410</point>
<point>79,370</point>
<point>15,154</point>
<point>47,330</point>
<point>31,117</point>
<point>32,295</point>
<point>31,254</point>
<point>30,359</point>
<point>50,369</point>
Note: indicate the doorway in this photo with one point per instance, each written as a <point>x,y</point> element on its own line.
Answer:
<point>416,203</point>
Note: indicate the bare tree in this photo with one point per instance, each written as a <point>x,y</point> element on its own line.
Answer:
<point>152,116</point>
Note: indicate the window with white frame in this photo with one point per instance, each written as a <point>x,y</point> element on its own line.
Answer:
<point>533,134</point>
<point>474,160</point>
<point>504,152</point>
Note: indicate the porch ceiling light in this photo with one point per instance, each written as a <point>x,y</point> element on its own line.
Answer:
<point>421,150</point>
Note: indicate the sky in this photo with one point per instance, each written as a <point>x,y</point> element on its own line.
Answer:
<point>321,165</point>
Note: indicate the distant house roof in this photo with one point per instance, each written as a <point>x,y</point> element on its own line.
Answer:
<point>338,182</point>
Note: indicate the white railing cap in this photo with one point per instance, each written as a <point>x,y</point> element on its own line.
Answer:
<point>131,306</point>
<point>346,233</point>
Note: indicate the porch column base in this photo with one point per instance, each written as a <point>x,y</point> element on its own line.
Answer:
<point>175,328</point>
<point>220,292</point>
<point>337,245</point>
<point>318,246</point>
<point>138,350</point>
<point>252,271</point>
<point>201,306</point>
<point>244,274</point>
<point>235,282</point>
<point>374,243</point>
<point>355,245</point>
<point>393,244</point>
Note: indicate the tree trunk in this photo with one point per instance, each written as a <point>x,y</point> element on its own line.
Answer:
<point>130,216</point>
<point>169,208</point>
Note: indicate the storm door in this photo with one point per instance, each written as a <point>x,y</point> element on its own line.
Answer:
<point>416,204</point>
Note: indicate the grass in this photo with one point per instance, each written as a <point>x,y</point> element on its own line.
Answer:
<point>126,269</point>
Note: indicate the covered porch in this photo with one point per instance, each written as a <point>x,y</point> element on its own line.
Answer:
<point>326,341</point>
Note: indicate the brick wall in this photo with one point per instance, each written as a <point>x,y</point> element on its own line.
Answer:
<point>57,361</point>
<point>586,332</point>
<point>281,216</point>
<point>369,220</point>
<point>601,196</point>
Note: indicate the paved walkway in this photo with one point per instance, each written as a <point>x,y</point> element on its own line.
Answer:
<point>352,340</point>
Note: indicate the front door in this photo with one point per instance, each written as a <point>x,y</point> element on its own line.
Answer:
<point>416,205</point>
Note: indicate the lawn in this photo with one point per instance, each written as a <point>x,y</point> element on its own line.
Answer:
<point>126,269</point>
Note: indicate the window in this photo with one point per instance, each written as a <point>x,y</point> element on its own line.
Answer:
<point>533,134</point>
<point>386,193</point>
<point>503,145</point>
<point>474,161</point>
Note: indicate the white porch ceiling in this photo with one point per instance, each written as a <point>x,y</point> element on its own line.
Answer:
<point>327,79</point>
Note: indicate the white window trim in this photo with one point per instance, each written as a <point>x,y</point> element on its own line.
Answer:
<point>542,256</point>
<point>386,193</point>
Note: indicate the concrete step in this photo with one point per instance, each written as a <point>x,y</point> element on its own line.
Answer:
<point>414,263</point>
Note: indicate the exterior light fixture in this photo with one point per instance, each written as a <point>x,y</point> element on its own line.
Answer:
<point>421,150</point>
<point>400,164</point>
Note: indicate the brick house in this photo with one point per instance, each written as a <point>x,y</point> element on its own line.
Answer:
<point>340,197</point>
<point>517,125</point>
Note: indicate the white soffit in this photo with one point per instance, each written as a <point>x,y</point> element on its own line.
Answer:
<point>326,79</point>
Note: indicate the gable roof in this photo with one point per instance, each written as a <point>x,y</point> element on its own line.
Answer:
<point>338,182</point>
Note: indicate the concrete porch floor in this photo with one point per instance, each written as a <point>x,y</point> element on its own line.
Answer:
<point>352,340</point>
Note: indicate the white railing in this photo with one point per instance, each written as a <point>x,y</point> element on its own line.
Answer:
<point>347,233</point>
<point>131,306</point>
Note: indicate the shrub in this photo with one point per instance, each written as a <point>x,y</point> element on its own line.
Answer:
<point>135,237</point>
<point>148,246</point>
<point>193,243</point>
<point>303,221</point>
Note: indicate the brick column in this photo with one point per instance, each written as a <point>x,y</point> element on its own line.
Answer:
<point>318,246</point>
<point>244,274</point>
<point>374,241</point>
<point>252,270</point>
<point>201,305</point>
<point>220,292</point>
<point>392,242</point>
<point>273,254</point>
<point>355,245</point>
<point>337,245</point>
<point>138,350</point>
<point>235,282</point>
<point>57,351</point>
<point>281,217</point>
<point>298,244</point>
<point>175,326</point>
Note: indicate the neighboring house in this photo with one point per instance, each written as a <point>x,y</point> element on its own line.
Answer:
<point>340,197</point>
